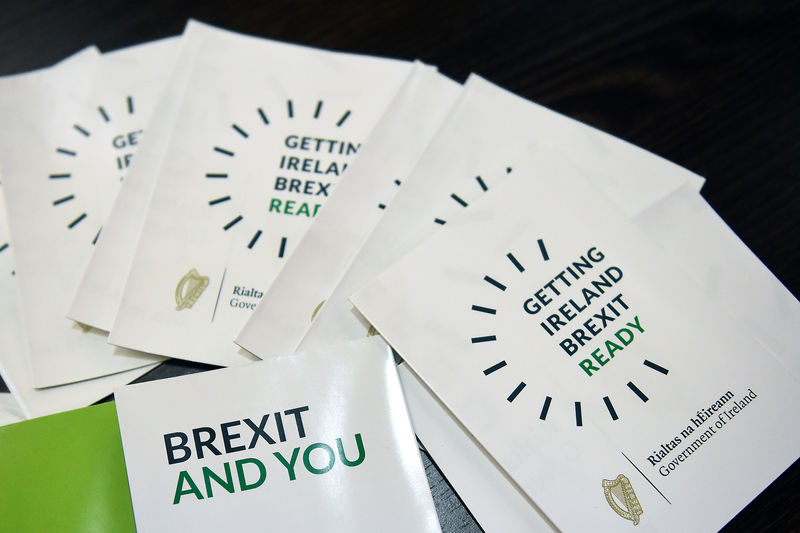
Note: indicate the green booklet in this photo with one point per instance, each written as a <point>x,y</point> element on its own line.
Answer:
<point>65,472</point>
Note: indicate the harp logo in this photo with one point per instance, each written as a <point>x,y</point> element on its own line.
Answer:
<point>316,310</point>
<point>622,499</point>
<point>189,289</point>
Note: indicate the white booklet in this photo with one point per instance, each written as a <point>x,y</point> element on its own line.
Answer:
<point>322,440</point>
<point>593,370</point>
<point>70,132</point>
<point>249,164</point>
<point>694,237</point>
<point>323,255</point>
<point>15,364</point>
<point>490,134</point>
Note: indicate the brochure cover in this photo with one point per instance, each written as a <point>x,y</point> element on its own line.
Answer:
<point>65,473</point>
<point>249,164</point>
<point>688,230</point>
<point>597,374</point>
<point>319,441</point>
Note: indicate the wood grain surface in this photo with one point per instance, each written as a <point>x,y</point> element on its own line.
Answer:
<point>711,85</point>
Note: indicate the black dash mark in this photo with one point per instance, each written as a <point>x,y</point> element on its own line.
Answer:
<point>318,109</point>
<point>494,282</point>
<point>59,176</point>
<point>254,239</point>
<point>397,182</point>
<point>3,247</point>
<point>240,131</point>
<point>440,221</point>
<point>344,117</point>
<point>515,392</point>
<point>81,130</point>
<point>232,223</point>
<point>487,338</point>
<point>578,414</point>
<point>223,151</point>
<point>657,368</point>
<point>648,479</point>
<point>64,199</point>
<point>103,112</point>
<point>290,108</point>
<point>481,183</point>
<point>216,176</point>
<point>482,309</point>
<point>545,408</point>
<point>282,249</point>
<point>381,206</point>
<point>263,116</point>
<point>636,391</point>
<point>76,221</point>
<point>543,250</point>
<point>130,105</point>
<point>65,151</point>
<point>610,408</point>
<point>97,236</point>
<point>494,368</point>
<point>216,201</point>
<point>458,199</point>
<point>219,293</point>
<point>515,262</point>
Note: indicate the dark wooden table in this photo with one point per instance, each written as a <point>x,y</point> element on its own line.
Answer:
<point>711,85</point>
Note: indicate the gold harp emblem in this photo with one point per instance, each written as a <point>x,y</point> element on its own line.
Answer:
<point>189,289</point>
<point>316,310</point>
<point>620,490</point>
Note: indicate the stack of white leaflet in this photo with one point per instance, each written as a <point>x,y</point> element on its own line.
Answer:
<point>567,307</point>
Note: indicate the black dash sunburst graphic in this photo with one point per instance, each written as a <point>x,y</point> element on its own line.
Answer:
<point>383,205</point>
<point>478,186</point>
<point>514,273</point>
<point>296,184</point>
<point>92,158</point>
